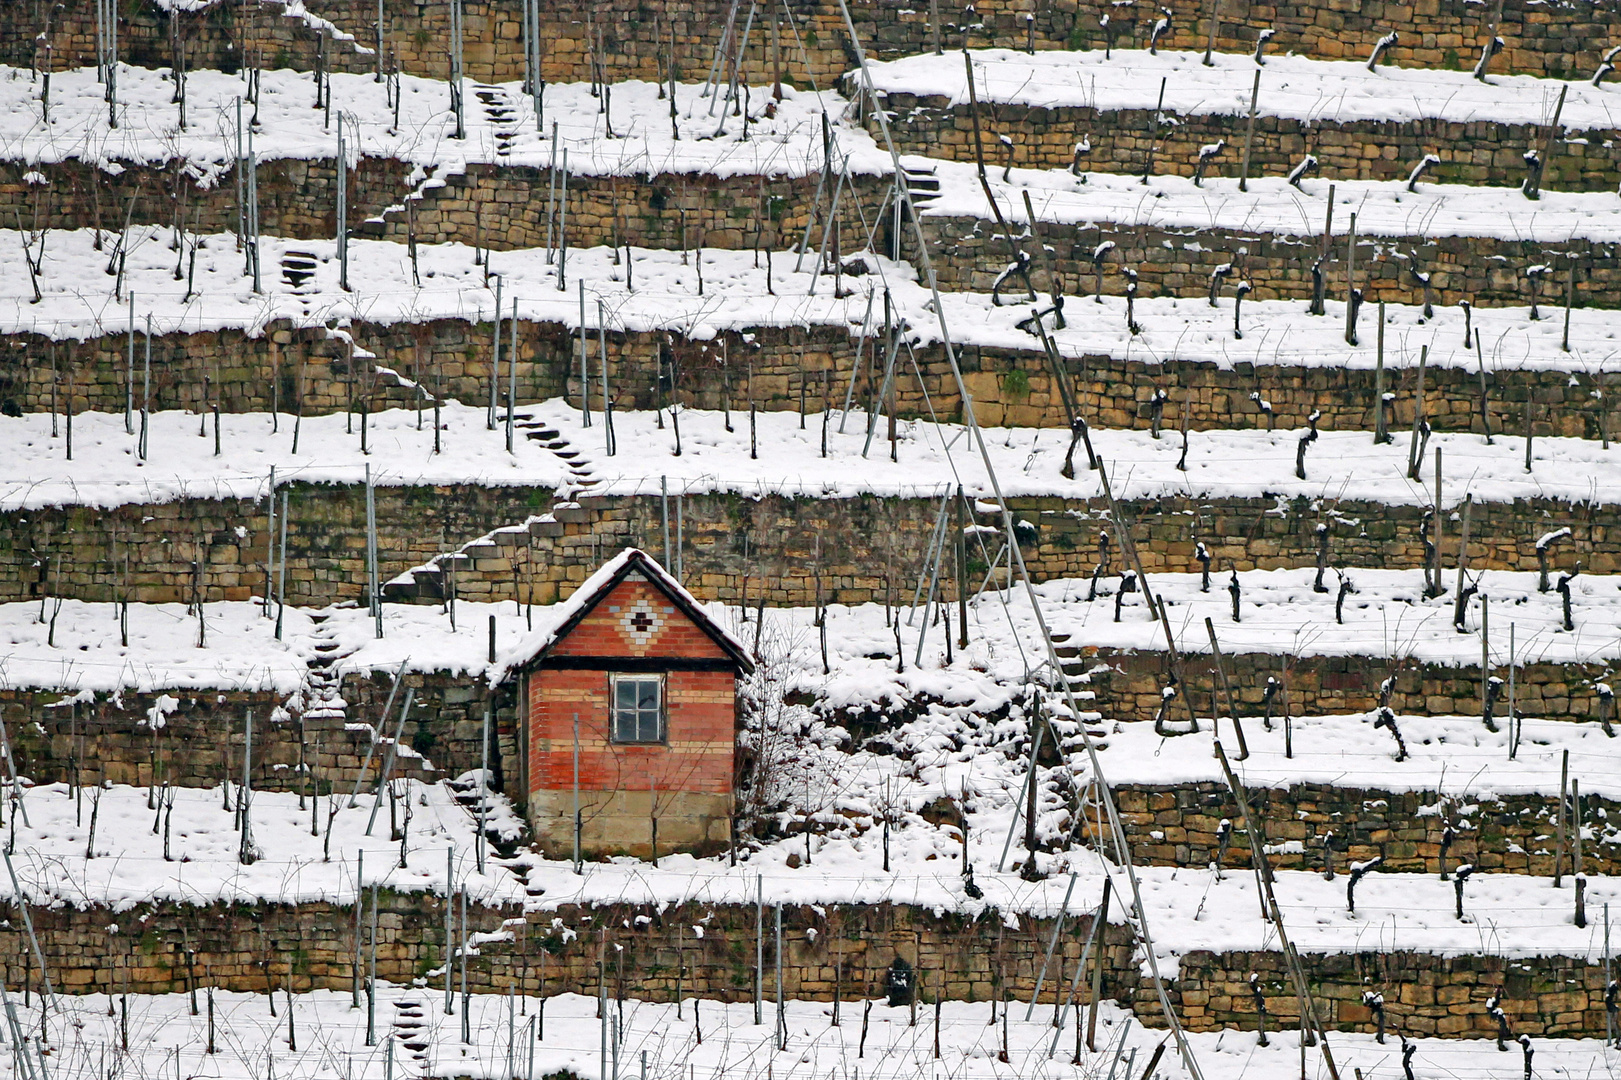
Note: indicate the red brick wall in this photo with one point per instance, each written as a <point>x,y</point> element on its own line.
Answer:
<point>700,705</point>
<point>602,633</point>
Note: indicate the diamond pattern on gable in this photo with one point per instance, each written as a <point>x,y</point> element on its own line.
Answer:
<point>640,622</point>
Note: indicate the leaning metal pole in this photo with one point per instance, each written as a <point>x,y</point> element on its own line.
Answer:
<point>1115,827</point>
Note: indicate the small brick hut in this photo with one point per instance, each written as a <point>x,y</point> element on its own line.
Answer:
<point>632,701</point>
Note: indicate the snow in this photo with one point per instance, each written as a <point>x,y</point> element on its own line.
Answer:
<point>1384,208</point>
<point>531,643</point>
<point>162,654</point>
<point>935,730</point>
<point>129,867</point>
<point>663,294</point>
<point>1387,617</point>
<point>1341,466</point>
<point>241,651</point>
<point>788,145</point>
<point>1294,87</point>
<point>883,1044</point>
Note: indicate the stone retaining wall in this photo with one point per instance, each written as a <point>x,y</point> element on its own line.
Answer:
<point>1478,152</point>
<point>1176,826</point>
<point>214,38</point>
<point>506,209</point>
<point>112,739</point>
<point>647,951</point>
<point>969,253</point>
<point>86,547</point>
<point>288,368</point>
<point>1129,685</point>
<point>853,546</point>
<point>502,208</point>
<point>1425,994</point>
<point>1563,40</point>
<point>297,196</point>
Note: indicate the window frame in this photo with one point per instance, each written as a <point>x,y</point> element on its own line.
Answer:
<point>615,678</point>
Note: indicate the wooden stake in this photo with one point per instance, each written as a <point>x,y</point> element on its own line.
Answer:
<point>1528,431</point>
<point>1533,187</point>
<point>776,58</point>
<point>1570,302</point>
<point>1351,301</point>
<point>1154,123</point>
<point>1483,66</point>
<point>1310,1024</point>
<point>979,164</point>
<point>1437,586</point>
<point>1413,461</point>
<point>1249,132</point>
<point>1381,433</point>
<point>1099,926</point>
<point>1463,562</point>
<point>1212,13</point>
<point>1564,790</point>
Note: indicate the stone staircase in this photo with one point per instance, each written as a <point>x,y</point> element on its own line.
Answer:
<point>473,568</point>
<point>338,741</point>
<point>410,1031</point>
<point>502,114</point>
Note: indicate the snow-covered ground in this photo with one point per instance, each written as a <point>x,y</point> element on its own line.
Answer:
<point>424,1041</point>
<point>1385,617</point>
<point>1188,908</point>
<point>1340,466</point>
<point>289,126</point>
<point>662,293</point>
<point>1383,208</point>
<point>202,864</point>
<point>1295,87</point>
<point>949,731</point>
<point>786,145</point>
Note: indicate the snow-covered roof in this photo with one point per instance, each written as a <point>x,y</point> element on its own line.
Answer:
<point>532,647</point>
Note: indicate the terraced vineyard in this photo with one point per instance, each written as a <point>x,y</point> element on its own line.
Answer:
<point>1173,524</point>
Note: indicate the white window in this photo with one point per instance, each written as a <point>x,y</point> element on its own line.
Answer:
<point>638,708</point>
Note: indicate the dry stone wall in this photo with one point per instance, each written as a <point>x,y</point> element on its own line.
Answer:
<point>297,196</point>
<point>1176,826</point>
<point>1130,684</point>
<point>289,368</point>
<point>500,208</point>
<point>505,208</point>
<point>216,37</point>
<point>969,253</point>
<point>957,957</point>
<point>311,945</point>
<point>1425,994</point>
<point>111,737</point>
<point>857,543</point>
<point>1478,152</point>
<point>80,552</point>
<point>1563,40</point>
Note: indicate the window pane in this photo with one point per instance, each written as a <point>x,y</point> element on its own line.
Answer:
<point>637,709</point>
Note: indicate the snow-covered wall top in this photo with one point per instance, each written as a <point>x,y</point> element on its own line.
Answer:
<point>1291,86</point>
